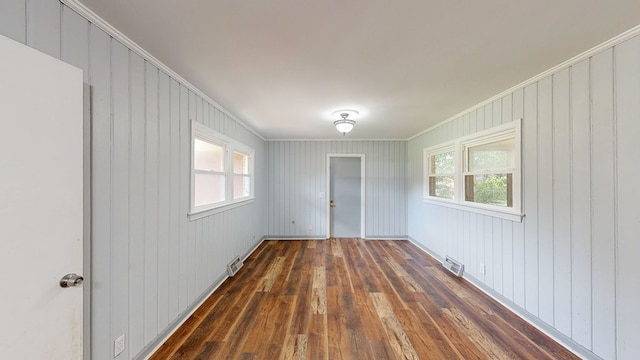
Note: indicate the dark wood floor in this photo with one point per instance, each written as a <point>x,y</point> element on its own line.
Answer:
<point>352,299</point>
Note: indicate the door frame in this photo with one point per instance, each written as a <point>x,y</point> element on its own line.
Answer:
<point>362,190</point>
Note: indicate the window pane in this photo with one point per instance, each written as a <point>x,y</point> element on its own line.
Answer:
<point>441,186</point>
<point>240,163</point>
<point>209,189</point>
<point>493,156</point>
<point>443,163</point>
<point>241,186</point>
<point>491,189</point>
<point>207,156</point>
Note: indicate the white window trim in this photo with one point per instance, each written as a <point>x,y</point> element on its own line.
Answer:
<point>243,149</point>
<point>229,145</point>
<point>434,150</point>
<point>460,145</point>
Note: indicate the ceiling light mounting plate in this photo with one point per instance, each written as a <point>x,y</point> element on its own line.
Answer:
<point>351,114</point>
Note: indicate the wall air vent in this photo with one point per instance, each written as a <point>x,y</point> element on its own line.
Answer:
<point>234,266</point>
<point>453,265</point>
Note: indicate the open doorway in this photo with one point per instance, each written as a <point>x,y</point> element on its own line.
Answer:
<point>345,189</point>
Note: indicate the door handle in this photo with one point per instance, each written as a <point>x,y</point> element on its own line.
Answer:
<point>331,203</point>
<point>71,280</point>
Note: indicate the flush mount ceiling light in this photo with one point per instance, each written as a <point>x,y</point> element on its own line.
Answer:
<point>344,125</point>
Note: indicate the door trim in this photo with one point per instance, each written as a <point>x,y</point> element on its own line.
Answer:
<point>362,191</point>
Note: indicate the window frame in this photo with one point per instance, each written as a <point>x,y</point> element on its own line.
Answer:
<point>229,146</point>
<point>429,173</point>
<point>250,153</point>
<point>461,146</point>
<point>511,132</point>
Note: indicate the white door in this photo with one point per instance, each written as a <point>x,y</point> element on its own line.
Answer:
<point>40,204</point>
<point>345,196</point>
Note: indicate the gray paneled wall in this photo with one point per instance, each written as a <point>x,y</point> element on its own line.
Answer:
<point>149,263</point>
<point>571,265</point>
<point>298,174</point>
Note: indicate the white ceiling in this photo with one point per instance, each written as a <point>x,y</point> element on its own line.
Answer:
<point>283,66</point>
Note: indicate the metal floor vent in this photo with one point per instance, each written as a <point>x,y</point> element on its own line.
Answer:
<point>453,265</point>
<point>234,266</point>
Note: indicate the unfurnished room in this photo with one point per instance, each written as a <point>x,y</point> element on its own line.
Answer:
<point>298,179</point>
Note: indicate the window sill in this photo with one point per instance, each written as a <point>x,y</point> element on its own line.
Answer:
<point>511,216</point>
<point>199,214</point>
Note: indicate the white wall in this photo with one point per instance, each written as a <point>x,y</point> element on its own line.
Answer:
<point>571,264</point>
<point>298,174</point>
<point>149,263</point>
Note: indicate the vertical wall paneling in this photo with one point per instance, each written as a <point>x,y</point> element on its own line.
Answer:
<point>507,109</point>
<point>473,121</point>
<point>100,78</point>
<point>13,20</point>
<point>43,26</point>
<point>602,196</point>
<point>496,253</point>
<point>120,188</point>
<point>627,90</point>
<point>74,41</point>
<point>151,204</point>
<point>195,233</point>
<point>136,205</point>
<point>191,226</point>
<point>164,196</point>
<point>497,112</point>
<point>174,207</point>
<point>561,192</point>
<point>471,259</point>
<point>480,235</point>
<point>480,119</point>
<point>488,116</point>
<point>487,251</point>
<point>581,204</point>
<point>545,199</point>
<point>185,159</point>
<point>530,196</point>
<point>297,175</point>
<point>507,259</point>
<point>518,257</point>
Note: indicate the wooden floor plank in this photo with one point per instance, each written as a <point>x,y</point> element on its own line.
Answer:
<point>352,299</point>
<point>397,337</point>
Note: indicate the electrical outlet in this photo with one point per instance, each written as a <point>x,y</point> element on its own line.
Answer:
<point>483,269</point>
<point>310,228</point>
<point>118,345</point>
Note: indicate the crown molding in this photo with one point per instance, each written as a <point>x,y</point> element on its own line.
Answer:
<point>633,32</point>
<point>96,20</point>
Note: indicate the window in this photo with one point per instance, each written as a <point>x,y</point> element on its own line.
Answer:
<point>440,169</point>
<point>488,177</point>
<point>489,168</point>
<point>221,172</point>
<point>241,175</point>
<point>208,168</point>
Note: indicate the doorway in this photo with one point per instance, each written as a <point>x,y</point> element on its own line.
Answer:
<point>345,208</point>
